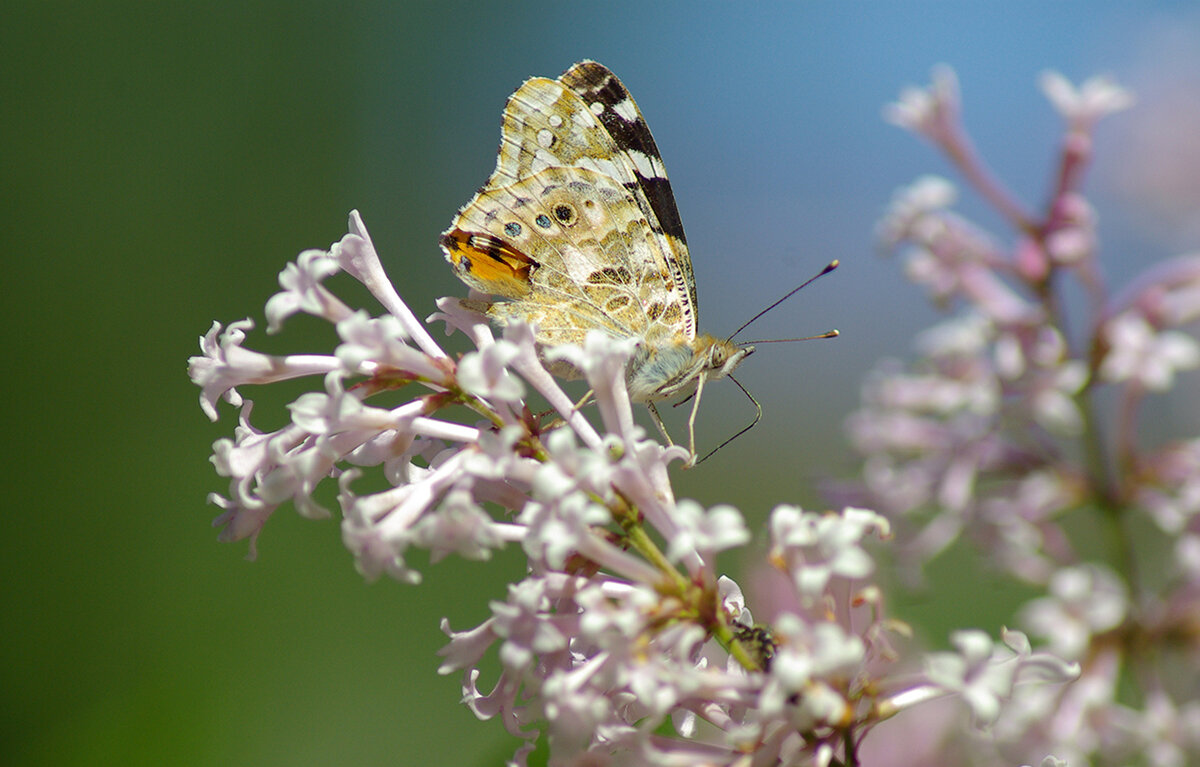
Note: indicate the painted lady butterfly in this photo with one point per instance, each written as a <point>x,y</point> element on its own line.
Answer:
<point>577,229</point>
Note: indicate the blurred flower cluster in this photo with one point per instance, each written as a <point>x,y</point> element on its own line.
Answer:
<point>623,643</point>
<point>1019,429</point>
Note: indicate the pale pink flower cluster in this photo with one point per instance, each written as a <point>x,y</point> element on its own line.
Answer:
<point>622,644</point>
<point>1021,432</point>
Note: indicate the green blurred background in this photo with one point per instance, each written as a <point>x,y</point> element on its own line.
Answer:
<point>162,162</point>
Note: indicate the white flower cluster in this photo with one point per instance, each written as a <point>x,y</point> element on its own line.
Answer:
<point>997,434</point>
<point>622,643</point>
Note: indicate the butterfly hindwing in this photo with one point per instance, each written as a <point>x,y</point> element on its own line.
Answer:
<point>591,253</point>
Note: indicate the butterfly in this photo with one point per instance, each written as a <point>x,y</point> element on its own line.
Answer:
<point>577,229</point>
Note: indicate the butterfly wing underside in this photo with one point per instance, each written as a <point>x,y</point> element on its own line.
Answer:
<point>577,227</point>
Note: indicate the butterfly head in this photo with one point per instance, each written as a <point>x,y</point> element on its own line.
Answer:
<point>723,355</point>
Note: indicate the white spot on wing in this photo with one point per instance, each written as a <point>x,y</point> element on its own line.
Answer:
<point>596,217</point>
<point>647,166</point>
<point>542,160</point>
<point>597,108</point>
<point>626,110</point>
<point>545,138</point>
<point>555,121</point>
<point>600,165</point>
<point>580,262</point>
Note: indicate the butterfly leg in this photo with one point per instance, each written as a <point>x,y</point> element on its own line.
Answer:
<point>658,421</point>
<point>582,401</point>
<point>692,422</point>
<point>574,408</point>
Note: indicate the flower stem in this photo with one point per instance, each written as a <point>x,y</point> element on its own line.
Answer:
<point>962,153</point>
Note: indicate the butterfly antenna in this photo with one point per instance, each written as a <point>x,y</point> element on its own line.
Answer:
<point>831,266</point>
<point>827,334</point>
<point>757,417</point>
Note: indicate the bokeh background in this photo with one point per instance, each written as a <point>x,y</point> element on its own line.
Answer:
<point>163,161</point>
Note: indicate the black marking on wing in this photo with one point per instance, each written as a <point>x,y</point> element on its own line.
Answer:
<point>595,83</point>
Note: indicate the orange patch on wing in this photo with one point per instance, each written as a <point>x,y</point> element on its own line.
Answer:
<point>489,264</point>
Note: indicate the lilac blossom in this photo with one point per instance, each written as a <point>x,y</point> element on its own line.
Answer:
<point>1018,430</point>
<point>622,643</point>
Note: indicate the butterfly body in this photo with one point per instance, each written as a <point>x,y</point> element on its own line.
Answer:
<point>660,371</point>
<point>577,229</point>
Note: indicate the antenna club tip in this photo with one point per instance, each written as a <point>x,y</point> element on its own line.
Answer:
<point>834,333</point>
<point>834,264</point>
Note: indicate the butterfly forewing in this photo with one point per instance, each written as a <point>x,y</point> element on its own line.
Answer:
<point>593,83</point>
<point>606,97</point>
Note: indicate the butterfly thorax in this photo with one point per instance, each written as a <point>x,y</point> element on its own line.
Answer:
<point>659,370</point>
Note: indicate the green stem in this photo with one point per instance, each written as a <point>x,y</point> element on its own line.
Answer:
<point>1105,490</point>
<point>702,603</point>
<point>645,545</point>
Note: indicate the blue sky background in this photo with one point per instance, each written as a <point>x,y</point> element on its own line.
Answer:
<point>164,161</point>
